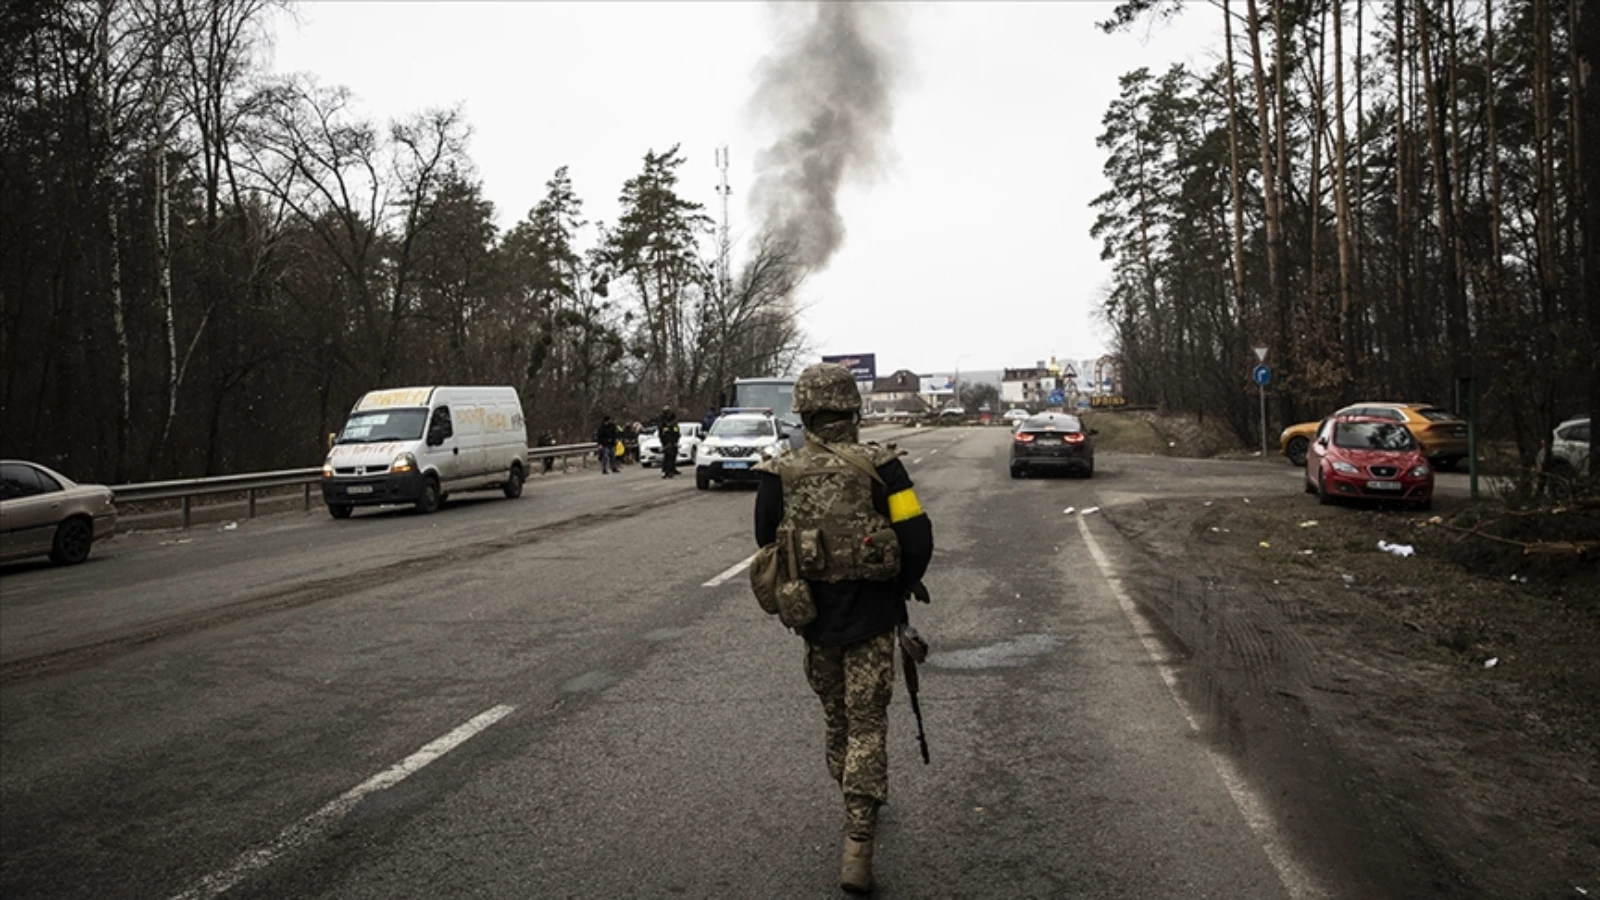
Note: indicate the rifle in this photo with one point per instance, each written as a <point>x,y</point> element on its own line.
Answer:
<point>913,649</point>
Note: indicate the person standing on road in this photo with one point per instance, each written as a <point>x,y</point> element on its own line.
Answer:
<point>546,439</point>
<point>836,493</point>
<point>669,433</point>
<point>709,420</point>
<point>606,437</point>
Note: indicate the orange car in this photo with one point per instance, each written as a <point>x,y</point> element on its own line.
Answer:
<point>1442,434</point>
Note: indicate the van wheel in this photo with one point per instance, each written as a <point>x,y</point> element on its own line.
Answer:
<point>72,541</point>
<point>431,498</point>
<point>513,485</point>
<point>702,479</point>
<point>339,510</point>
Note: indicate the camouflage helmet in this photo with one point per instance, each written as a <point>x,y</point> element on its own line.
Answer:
<point>826,386</point>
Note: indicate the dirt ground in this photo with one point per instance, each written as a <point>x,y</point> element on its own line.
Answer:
<point>1461,683</point>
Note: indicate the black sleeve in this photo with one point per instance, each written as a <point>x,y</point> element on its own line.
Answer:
<point>915,533</point>
<point>769,508</point>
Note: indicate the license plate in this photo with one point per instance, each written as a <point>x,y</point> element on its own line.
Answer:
<point>736,465</point>
<point>1383,485</point>
<point>359,489</point>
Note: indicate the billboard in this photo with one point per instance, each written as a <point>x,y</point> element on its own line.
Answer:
<point>864,366</point>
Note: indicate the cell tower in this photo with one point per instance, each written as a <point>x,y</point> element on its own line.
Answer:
<point>725,250</point>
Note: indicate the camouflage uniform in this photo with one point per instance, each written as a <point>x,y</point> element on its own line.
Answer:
<point>848,548</point>
<point>854,683</point>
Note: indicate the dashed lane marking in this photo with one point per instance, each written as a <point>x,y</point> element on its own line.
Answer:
<point>1296,880</point>
<point>731,571</point>
<point>311,826</point>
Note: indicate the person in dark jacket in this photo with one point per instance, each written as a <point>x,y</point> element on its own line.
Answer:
<point>669,434</point>
<point>546,439</point>
<point>850,643</point>
<point>606,437</point>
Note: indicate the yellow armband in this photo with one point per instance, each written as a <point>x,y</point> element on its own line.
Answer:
<point>904,505</point>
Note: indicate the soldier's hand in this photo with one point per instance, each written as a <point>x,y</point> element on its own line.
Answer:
<point>920,592</point>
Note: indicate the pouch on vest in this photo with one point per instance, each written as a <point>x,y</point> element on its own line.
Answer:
<point>766,573</point>
<point>878,555</point>
<point>795,606</point>
<point>811,553</point>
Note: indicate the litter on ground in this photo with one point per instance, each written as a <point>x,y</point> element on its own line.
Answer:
<point>1266,546</point>
<point>1397,549</point>
<point>1091,510</point>
<point>229,527</point>
<point>1348,579</point>
<point>1309,523</point>
<point>1307,552</point>
<point>1069,510</point>
<point>1491,662</point>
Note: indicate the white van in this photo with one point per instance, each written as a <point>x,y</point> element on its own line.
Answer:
<point>416,445</point>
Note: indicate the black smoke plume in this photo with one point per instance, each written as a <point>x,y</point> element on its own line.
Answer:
<point>828,91</point>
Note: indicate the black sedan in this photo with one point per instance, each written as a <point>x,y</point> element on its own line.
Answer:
<point>1052,442</point>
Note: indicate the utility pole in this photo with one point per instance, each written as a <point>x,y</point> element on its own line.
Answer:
<point>724,250</point>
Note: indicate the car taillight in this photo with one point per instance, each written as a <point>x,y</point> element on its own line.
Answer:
<point>1024,438</point>
<point>1074,437</point>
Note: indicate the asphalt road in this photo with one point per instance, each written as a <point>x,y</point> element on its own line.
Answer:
<point>568,695</point>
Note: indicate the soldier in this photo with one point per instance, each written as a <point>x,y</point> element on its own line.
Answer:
<point>668,430</point>
<point>847,512</point>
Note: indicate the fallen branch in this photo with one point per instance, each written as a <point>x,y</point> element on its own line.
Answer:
<point>1535,548</point>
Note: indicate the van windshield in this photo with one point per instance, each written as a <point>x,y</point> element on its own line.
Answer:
<point>378,426</point>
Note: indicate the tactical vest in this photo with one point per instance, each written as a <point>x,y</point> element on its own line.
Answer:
<point>830,528</point>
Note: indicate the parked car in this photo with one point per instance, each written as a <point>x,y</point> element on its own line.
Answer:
<point>1368,458</point>
<point>689,438</point>
<point>1568,453</point>
<point>1442,433</point>
<point>737,442</point>
<point>45,513</point>
<point>1052,442</point>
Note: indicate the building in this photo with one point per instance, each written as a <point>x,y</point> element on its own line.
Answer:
<point>900,392</point>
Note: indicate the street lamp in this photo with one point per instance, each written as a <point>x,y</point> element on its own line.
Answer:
<point>959,404</point>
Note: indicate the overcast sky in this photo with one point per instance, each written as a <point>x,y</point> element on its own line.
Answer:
<point>970,247</point>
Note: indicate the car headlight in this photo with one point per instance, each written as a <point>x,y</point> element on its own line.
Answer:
<point>769,451</point>
<point>1340,465</point>
<point>707,451</point>
<point>1420,471</point>
<point>327,470</point>
<point>405,462</point>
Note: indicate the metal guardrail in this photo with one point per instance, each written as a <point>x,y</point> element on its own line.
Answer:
<point>186,489</point>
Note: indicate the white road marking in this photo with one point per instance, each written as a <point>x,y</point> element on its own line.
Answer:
<point>933,451</point>
<point>732,570</point>
<point>1296,880</point>
<point>917,461</point>
<point>311,826</point>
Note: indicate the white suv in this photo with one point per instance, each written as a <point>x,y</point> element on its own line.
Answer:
<point>738,440</point>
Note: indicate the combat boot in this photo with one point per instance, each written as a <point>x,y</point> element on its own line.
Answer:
<point>855,874</point>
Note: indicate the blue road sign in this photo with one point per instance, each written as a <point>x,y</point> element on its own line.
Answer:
<point>1262,375</point>
<point>1058,397</point>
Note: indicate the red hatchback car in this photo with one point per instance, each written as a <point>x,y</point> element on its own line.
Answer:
<point>1363,458</point>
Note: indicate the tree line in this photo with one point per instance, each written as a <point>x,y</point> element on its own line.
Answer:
<point>203,266</point>
<point>1391,195</point>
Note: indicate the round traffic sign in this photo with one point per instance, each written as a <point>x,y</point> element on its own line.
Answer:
<point>1262,375</point>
